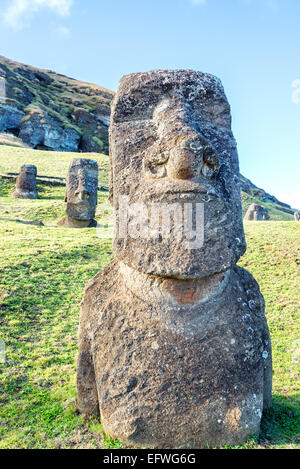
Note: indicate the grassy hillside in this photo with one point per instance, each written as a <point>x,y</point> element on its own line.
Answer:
<point>43,271</point>
<point>73,104</point>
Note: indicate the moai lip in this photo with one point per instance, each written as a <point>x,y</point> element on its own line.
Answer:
<point>26,183</point>
<point>174,347</point>
<point>81,194</point>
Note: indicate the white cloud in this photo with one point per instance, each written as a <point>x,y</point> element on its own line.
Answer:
<point>20,12</point>
<point>63,31</point>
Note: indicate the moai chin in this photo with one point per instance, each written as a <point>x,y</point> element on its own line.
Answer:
<point>26,183</point>
<point>81,194</point>
<point>257,213</point>
<point>174,347</point>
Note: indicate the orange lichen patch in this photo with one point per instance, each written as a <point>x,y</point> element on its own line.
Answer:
<point>186,292</point>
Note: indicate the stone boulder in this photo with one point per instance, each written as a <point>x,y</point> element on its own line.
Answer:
<point>297,216</point>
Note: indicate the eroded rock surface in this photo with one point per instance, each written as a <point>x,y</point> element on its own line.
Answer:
<point>174,347</point>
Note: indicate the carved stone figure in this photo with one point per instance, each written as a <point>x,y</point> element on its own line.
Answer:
<point>257,213</point>
<point>174,347</point>
<point>81,194</point>
<point>26,183</point>
<point>297,216</point>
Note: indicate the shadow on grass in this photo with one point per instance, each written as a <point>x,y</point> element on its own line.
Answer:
<point>281,424</point>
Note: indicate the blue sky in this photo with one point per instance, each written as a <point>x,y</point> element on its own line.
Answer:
<point>252,45</point>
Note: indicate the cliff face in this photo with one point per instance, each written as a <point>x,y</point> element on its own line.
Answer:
<point>50,111</point>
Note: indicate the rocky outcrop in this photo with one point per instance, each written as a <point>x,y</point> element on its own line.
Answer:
<point>43,132</point>
<point>51,111</point>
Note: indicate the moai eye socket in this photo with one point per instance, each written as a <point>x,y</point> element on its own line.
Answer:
<point>155,162</point>
<point>211,164</point>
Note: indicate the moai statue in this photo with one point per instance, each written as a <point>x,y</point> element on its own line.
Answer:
<point>257,213</point>
<point>81,194</point>
<point>26,183</point>
<point>174,347</point>
<point>297,216</point>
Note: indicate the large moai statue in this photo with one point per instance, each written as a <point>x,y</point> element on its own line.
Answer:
<point>26,183</point>
<point>257,213</point>
<point>174,347</point>
<point>297,216</point>
<point>81,194</point>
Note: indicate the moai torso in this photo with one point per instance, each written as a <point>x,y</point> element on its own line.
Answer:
<point>26,183</point>
<point>81,194</point>
<point>257,213</point>
<point>174,348</point>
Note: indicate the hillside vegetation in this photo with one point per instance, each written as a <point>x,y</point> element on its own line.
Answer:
<point>43,271</point>
<point>49,110</point>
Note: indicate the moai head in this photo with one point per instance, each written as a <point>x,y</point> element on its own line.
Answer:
<point>26,183</point>
<point>172,148</point>
<point>297,216</point>
<point>81,190</point>
<point>257,213</point>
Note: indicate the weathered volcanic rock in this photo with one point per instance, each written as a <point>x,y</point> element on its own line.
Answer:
<point>41,131</point>
<point>174,347</point>
<point>81,194</point>
<point>26,183</point>
<point>257,213</point>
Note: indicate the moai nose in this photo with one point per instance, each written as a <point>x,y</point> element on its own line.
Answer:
<point>82,193</point>
<point>192,159</point>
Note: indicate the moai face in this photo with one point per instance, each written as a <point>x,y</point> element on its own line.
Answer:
<point>26,183</point>
<point>171,146</point>
<point>81,191</point>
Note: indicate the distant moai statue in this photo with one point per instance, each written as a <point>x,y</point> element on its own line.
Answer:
<point>2,90</point>
<point>297,216</point>
<point>26,183</point>
<point>257,213</point>
<point>81,194</point>
<point>174,347</point>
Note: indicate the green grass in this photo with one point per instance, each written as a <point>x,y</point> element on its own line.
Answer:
<point>43,271</point>
<point>48,163</point>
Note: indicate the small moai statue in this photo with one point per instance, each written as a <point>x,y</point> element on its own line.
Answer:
<point>81,194</point>
<point>26,183</point>
<point>257,213</point>
<point>297,216</point>
<point>174,347</point>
